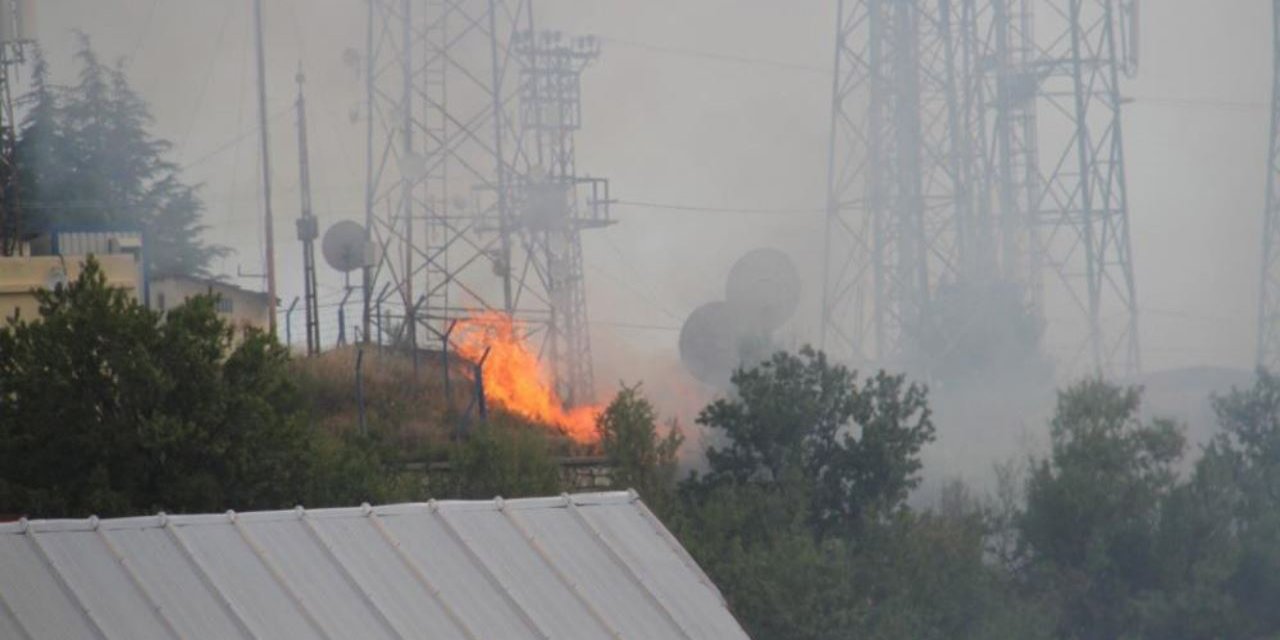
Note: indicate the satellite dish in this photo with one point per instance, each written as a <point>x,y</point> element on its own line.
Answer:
<point>764,287</point>
<point>709,343</point>
<point>344,246</point>
<point>57,276</point>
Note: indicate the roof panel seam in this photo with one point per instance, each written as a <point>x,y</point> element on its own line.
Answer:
<point>66,587</point>
<point>228,607</point>
<point>13,615</point>
<point>555,570</point>
<point>680,551</point>
<point>636,578</point>
<point>275,574</point>
<point>137,583</point>
<point>491,576</point>
<point>347,575</point>
<point>420,575</point>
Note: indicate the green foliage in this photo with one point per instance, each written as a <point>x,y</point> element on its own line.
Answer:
<point>1093,508</point>
<point>108,410</point>
<point>802,521</point>
<point>504,457</point>
<point>87,160</point>
<point>641,459</point>
<point>855,446</point>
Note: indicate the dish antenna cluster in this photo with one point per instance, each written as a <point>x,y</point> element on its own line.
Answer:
<point>762,292</point>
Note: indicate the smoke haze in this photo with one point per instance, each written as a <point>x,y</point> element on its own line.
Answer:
<point>708,106</point>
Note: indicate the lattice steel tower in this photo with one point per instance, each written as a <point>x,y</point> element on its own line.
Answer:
<point>472,198</point>
<point>1083,204</point>
<point>1269,295</point>
<point>936,173</point>
<point>900,201</point>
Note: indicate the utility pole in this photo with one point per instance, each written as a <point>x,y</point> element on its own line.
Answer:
<point>17,30</point>
<point>308,227</point>
<point>266,166</point>
<point>1269,294</point>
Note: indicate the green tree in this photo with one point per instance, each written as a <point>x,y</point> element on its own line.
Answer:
<point>1094,507</point>
<point>641,459</point>
<point>504,457</point>
<point>854,446</point>
<point>87,160</point>
<point>107,409</point>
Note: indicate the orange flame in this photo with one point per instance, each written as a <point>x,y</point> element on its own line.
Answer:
<point>514,379</point>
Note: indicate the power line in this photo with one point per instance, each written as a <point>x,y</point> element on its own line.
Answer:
<point>718,57</point>
<point>666,206</point>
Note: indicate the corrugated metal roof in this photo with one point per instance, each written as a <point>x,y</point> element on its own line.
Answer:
<point>585,566</point>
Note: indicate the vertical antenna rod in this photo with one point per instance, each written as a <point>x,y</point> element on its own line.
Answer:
<point>1269,292</point>
<point>308,227</point>
<point>266,165</point>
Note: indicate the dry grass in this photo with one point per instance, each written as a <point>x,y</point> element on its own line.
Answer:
<point>410,408</point>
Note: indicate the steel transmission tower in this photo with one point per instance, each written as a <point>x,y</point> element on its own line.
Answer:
<point>901,218</point>
<point>1001,87</point>
<point>936,176</point>
<point>1269,296</point>
<point>1082,203</point>
<point>559,203</point>
<point>472,200</point>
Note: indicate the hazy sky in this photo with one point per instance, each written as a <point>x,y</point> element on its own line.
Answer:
<point>668,124</point>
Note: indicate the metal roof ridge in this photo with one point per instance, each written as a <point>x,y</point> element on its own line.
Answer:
<point>54,525</point>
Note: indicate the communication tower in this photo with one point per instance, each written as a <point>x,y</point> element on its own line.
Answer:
<point>472,193</point>
<point>900,204</point>
<point>978,142</point>
<point>1082,204</point>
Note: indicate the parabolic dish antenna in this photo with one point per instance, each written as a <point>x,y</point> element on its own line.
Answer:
<point>709,343</point>
<point>344,246</point>
<point>764,286</point>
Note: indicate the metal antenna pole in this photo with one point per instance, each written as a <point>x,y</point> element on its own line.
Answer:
<point>1269,294</point>
<point>308,228</point>
<point>17,35</point>
<point>266,166</point>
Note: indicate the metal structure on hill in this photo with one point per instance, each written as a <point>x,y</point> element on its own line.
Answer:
<point>472,191</point>
<point>308,229</point>
<point>17,32</point>
<point>976,145</point>
<point>1082,208</point>
<point>1269,293</point>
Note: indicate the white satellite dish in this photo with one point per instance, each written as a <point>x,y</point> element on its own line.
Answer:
<point>344,247</point>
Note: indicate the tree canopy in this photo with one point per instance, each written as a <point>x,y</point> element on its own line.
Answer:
<point>106,409</point>
<point>87,160</point>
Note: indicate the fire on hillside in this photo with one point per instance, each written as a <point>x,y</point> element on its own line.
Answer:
<point>515,380</point>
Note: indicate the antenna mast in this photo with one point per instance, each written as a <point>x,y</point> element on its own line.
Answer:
<point>266,166</point>
<point>17,29</point>
<point>1269,294</point>
<point>308,227</point>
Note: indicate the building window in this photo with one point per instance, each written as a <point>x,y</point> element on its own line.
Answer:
<point>224,304</point>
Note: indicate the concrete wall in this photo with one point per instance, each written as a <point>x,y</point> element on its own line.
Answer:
<point>239,307</point>
<point>19,276</point>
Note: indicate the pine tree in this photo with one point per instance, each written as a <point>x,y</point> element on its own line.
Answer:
<point>88,161</point>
